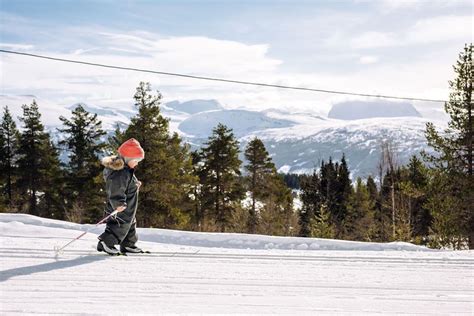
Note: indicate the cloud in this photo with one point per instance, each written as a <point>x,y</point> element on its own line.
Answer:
<point>373,39</point>
<point>11,46</point>
<point>424,31</point>
<point>368,60</point>
<point>442,28</point>
<point>188,55</point>
<point>398,5</point>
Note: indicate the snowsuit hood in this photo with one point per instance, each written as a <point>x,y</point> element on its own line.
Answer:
<point>113,162</point>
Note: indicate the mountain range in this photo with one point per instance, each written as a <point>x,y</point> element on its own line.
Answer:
<point>296,141</point>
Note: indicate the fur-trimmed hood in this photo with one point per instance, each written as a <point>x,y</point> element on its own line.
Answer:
<point>113,162</point>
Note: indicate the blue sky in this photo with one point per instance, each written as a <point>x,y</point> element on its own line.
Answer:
<point>400,47</point>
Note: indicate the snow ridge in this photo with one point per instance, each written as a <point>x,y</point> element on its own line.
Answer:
<point>216,240</point>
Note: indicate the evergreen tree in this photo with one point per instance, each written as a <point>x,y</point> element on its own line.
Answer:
<point>166,172</point>
<point>336,189</point>
<point>52,203</point>
<point>293,180</point>
<point>454,152</point>
<point>84,182</point>
<point>413,187</point>
<point>37,159</point>
<point>329,189</point>
<point>115,140</point>
<point>311,197</point>
<point>261,172</point>
<point>380,218</point>
<point>359,223</point>
<point>321,224</point>
<point>277,215</point>
<point>222,187</point>
<point>8,155</point>
<point>344,190</point>
<point>198,214</point>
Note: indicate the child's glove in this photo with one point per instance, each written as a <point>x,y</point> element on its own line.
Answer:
<point>121,208</point>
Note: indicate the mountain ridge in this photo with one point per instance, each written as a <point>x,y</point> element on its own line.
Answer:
<point>297,142</point>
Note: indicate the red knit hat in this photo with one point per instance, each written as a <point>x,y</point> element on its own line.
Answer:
<point>131,149</point>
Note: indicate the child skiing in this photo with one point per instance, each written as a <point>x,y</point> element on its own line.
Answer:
<point>122,188</point>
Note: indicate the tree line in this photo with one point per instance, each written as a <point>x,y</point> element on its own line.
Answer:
<point>428,201</point>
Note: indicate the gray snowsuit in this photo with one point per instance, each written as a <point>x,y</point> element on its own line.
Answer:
<point>121,186</point>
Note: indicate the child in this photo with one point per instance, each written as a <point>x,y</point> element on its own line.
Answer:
<point>121,186</point>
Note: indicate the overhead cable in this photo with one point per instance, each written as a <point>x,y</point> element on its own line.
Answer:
<point>219,79</point>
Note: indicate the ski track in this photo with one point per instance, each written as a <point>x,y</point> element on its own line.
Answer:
<point>191,280</point>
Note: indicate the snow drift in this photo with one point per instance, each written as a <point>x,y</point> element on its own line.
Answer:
<point>218,240</point>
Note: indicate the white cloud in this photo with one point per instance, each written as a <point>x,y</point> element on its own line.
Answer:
<point>368,60</point>
<point>11,46</point>
<point>424,31</point>
<point>393,5</point>
<point>374,39</point>
<point>442,28</point>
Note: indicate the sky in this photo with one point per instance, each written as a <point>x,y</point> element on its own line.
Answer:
<point>391,47</point>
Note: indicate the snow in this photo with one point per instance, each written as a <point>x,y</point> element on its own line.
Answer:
<point>357,109</point>
<point>204,273</point>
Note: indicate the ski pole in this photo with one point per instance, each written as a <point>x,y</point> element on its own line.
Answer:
<point>100,222</point>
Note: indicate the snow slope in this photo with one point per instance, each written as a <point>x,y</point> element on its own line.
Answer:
<point>203,273</point>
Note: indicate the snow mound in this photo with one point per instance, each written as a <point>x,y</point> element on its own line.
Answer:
<point>12,222</point>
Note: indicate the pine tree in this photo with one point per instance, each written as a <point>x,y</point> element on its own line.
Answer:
<point>380,217</point>
<point>321,224</point>
<point>444,203</point>
<point>84,181</point>
<point>166,172</point>
<point>198,214</point>
<point>329,189</point>
<point>335,190</point>
<point>277,215</point>
<point>359,223</point>
<point>9,135</point>
<point>454,151</point>
<point>344,190</point>
<point>52,203</point>
<point>413,187</point>
<point>115,140</point>
<point>37,159</point>
<point>311,197</point>
<point>222,187</point>
<point>261,171</point>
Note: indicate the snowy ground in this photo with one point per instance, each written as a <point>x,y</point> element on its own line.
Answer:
<point>195,273</point>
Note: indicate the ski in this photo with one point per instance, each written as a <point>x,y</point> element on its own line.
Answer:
<point>135,253</point>
<point>153,254</point>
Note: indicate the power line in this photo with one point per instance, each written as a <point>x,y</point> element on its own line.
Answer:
<point>219,79</point>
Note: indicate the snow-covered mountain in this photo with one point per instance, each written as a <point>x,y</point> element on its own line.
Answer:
<point>297,141</point>
<point>241,121</point>
<point>356,110</point>
<point>195,106</point>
